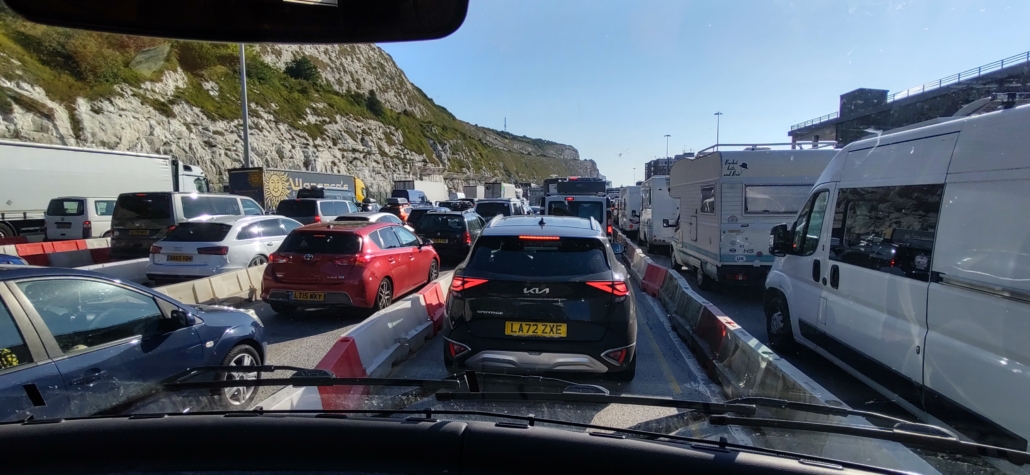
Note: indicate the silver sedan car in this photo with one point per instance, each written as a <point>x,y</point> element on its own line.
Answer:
<point>215,244</point>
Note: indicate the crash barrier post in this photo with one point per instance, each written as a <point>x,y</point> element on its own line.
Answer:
<point>654,277</point>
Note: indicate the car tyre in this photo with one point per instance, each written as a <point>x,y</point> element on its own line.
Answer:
<point>238,398</point>
<point>6,231</point>
<point>627,374</point>
<point>434,271</point>
<point>384,296</point>
<point>106,235</point>
<point>777,323</point>
<point>258,261</point>
<point>283,309</point>
<point>703,281</point>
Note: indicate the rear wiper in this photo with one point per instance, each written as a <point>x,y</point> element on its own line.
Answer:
<point>301,377</point>
<point>574,395</point>
<point>924,435</point>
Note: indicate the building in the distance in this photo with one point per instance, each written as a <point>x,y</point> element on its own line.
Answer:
<point>662,166</point>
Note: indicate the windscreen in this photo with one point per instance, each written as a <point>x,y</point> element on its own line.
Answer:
<point>783,199</point>
<point>441,223</point>
<point>144,206</point>
<point>297,208</point>
<point>582,209</point>
<point>65,208</point>
<point>199,232</point>
<point>489,210</point>
<point>527,257</point>
<point>322,243</point>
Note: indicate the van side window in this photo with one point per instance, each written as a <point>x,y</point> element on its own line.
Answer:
<point>809,225</point>
<point>104,208</point>
<point>890,228</point>
<point>708,200</point>
<point>251,208</point>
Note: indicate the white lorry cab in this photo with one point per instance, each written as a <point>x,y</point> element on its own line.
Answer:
<point>658,211</point>
<point>909,267</point>
<point>729,200</point>
<point>629,210</point>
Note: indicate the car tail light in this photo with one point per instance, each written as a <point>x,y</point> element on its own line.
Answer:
<point>466,238</point>
<point>155,250</point>
<point>618,356</point>
<point>278,259</point>
<point>459,284</point>
<point>171,228</point>
<point>214,251</point>
<point>616,288</point>
<point>455,349</point>
<point>318,219</point>
<point>736,277</point>
<point>539,238</point>
<point>87,225</point>
<point>360,260</point>
<point>609,229</point>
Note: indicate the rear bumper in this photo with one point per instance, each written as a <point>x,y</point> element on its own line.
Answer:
<point>130,249</point>
<point>342,295</point>
<point>536,356</point>
<point>742,276</point>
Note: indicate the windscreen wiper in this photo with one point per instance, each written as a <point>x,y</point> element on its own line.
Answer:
<point>589,398</point>
<point>816,408</point>
<point>924,435</point>
<point>301,377</point>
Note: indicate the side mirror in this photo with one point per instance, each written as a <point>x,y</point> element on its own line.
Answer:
<point>181,318</point>
<point>665,223</point>
<point>618,248</point>
<point>422,241</point>
<point>634,213</point>
<point>780,240</point>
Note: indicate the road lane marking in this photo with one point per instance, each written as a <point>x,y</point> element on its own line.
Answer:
<point>664,365</point>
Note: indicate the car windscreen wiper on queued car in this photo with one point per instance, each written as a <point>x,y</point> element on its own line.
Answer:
<point>467,387</point>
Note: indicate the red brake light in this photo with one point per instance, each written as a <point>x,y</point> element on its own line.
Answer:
<point>278,259</point>
<point>360,260</point>
<point>617,356</point>
<point>455,349</point>
<point>155,250</point>
<point>171,228</point>
<point>87,225</point>
<point>464,283</point>
<point>609,229</point>
<point>466,238</point>
<point>539,238</point>
<point>214,251</point>
<point>570,198</point>
<point>318,219</point>
<point>618,289</point>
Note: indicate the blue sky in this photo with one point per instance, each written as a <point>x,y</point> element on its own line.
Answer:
<point>610,77</point>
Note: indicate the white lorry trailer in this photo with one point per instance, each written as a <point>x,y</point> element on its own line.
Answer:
<point>33,174</point>
<point>501,190</point>
<point>434,190</point>
<point>475,192</point>
<point>729,200</point>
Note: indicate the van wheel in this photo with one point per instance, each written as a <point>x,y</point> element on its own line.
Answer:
<point>258,261</point>
<point>703,281</point>
<point>6,231</point>
<point>777,323</point>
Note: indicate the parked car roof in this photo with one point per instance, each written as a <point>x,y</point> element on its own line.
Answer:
<point>564,226</point>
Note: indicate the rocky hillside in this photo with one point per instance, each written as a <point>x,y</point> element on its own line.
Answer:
<point>346,109</point>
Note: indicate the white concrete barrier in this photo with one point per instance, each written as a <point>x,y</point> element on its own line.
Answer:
<point>9,249</point>
<point>132,271</point>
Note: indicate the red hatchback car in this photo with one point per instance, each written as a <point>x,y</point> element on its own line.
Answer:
<point>346,264</point>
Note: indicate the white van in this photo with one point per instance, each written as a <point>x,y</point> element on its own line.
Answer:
<point>629,210</point>
<point>909,267</point>
<point>657,210</point>
<point>78,217</point>
<point>729,200</point>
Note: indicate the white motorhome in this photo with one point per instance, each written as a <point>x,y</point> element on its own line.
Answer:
<point>729,200</point>
<point>658,209</point>
<point>629,210</point>
<point>909,268</point>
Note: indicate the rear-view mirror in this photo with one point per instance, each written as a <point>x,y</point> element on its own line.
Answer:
<point>618,248</point>
<point>253,21</point>
<point>780,240</point>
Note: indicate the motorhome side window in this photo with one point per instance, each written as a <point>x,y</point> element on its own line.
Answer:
<point>809,224</point>
<point>889,229</point>
<point>708,200</point>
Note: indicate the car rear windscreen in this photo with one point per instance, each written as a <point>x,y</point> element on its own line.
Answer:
<point>529,257</point>
<point>582,209</point>
<point>297,208</point>
<point>65,208</point>
<point>143,206</point>
<point>441,223</point>
<point>199,232</point>
<point>321,243</point>
<point>489,210</point>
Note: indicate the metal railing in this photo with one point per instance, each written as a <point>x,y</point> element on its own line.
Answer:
<point>929,86</point>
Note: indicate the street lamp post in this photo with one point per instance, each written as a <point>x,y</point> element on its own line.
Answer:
<point>634,176</point>
<point>243,99</point>
<point>718,116</point>
<point>667,145</point>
